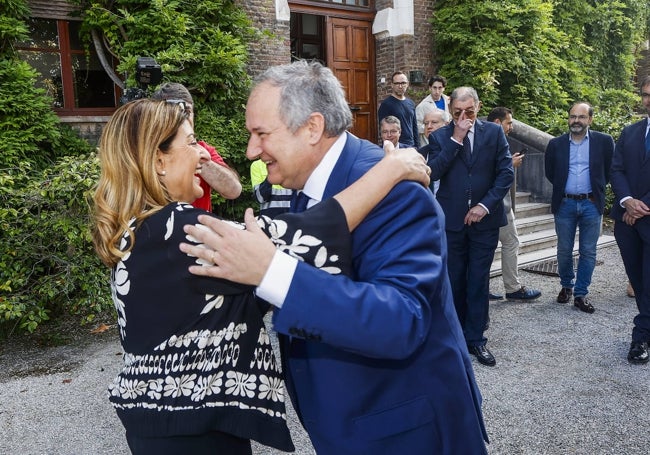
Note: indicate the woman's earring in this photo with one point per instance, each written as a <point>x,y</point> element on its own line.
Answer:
<point>163,173</point>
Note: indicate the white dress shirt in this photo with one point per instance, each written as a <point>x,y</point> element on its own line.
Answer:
<point>277,279</point>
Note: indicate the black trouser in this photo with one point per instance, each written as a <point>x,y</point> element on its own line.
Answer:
<point>213,443</point>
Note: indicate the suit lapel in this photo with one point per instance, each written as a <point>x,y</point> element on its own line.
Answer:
<point>642,130</point>
<point>478,136</point>
<point>340,175</point>
<point>463,156</point>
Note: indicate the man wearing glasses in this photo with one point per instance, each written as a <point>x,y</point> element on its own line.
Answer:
<point>391,130</point>
<point>577,165</point>
<point>398,105</point>
<point>471,158</point>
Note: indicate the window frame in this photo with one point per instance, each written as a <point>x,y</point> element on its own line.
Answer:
<point>66,55</point>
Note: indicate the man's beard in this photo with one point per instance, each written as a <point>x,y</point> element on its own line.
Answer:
<point>577,128</point>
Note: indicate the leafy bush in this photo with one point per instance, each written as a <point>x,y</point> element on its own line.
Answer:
<point>28,126</point>
<point>200,44</point>
<point>47,264</point>
<point>537,57</point>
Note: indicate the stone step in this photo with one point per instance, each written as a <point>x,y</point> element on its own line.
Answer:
<point>522,197</point>
<point>526,209</point>
<point>535,223</point>
<point>533,241</point>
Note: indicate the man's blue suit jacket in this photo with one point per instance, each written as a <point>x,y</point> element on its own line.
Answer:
<point>630,174</point>
<point>556,165</point>
<point>378,362</point>
<point>485,178</point>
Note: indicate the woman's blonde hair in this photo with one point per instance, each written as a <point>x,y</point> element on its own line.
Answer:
<point>129,186</point>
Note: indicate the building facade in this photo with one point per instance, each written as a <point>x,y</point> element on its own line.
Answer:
<point>362,41</point>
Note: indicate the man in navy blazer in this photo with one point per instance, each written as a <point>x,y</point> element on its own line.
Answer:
<point>577,164</point>
<point>631,211</point>
<point>376,362</point>
<point>472,160</point>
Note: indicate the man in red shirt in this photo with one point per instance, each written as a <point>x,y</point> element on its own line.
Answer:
<point>215,173</point>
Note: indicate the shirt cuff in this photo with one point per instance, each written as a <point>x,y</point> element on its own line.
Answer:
<point>452,138</point>
<point>486,209</point>
<point>623,200</point>
<point>277,279</point>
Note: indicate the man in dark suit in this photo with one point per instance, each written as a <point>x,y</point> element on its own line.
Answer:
<point>376,361</point>
<point>472,160</point>
<point>577,164</point>
<point>631,212</point>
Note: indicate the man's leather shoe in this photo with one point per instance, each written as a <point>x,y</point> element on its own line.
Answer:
<point>483,355</point>
<point>495,296</point>
<point>582,303</point>
<point>523,294</point>
<point>565,295</point>
<point>638,354</point>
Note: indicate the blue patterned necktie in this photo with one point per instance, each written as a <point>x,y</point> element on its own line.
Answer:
<point>299,201</point>
<point>647,145</point>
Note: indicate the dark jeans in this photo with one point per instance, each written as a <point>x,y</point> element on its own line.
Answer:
<point>584,216</point>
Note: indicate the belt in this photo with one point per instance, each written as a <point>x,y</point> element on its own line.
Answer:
<point>579,197</point>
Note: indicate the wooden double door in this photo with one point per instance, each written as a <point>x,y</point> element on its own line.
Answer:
<point>346,46</point>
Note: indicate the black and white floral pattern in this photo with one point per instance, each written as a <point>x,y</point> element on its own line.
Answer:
<point>194,343</point>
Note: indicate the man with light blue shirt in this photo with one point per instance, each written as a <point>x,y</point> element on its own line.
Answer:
<point>578,164</point>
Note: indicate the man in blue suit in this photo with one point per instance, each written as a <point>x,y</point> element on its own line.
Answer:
<point>375,362</point>
<point>631,212</point>
<point>577,164</point>
<point>472,160</point>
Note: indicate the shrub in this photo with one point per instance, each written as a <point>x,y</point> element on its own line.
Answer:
<point>47,264</point>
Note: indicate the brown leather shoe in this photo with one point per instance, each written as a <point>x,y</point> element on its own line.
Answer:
<point>582,303</point>
<point>565,295</point>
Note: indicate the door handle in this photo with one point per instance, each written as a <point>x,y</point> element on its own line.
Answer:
<point>355,108</point>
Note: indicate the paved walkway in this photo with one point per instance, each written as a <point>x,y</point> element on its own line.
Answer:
<point>562,384</point>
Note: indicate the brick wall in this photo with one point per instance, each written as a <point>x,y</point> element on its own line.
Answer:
<point>406,53</point>
<point>273,46</point>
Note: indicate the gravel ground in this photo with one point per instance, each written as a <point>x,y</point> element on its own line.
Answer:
<point>562,384</point>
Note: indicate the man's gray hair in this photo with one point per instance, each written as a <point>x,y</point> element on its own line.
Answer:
<point>462,93</point>
<point>391,119</point>
<point>305,88</point>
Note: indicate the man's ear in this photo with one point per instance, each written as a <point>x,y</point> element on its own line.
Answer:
<point>316,127</point>
<point>479,106</point>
